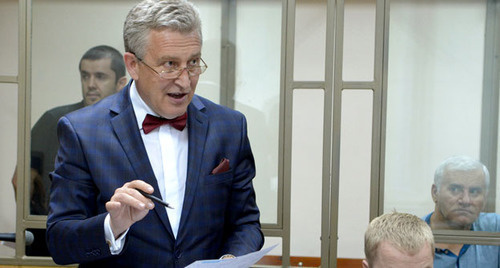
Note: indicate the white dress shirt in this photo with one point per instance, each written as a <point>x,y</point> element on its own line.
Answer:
<point>167,150</point>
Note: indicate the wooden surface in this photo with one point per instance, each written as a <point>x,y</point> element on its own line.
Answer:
<point>309,262</point>
<point>267,260</point>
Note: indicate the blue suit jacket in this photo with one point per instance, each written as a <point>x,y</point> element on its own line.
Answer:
<point>101,148</point>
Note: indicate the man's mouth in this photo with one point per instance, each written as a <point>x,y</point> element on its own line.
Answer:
<point>463,211</point>
<point>177,95</point>
<point>92,94</point>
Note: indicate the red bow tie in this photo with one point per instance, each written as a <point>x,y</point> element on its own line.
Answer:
<point>151,122</point>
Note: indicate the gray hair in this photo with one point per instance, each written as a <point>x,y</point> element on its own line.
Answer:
<point>176,15</point>
<point>462,163</point>
<point>405,231</point>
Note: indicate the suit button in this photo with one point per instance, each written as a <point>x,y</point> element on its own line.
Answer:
<point>177,254</point>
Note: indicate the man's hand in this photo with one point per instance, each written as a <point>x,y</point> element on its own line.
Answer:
<point>128,206</point>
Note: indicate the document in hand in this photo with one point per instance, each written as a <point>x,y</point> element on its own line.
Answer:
<point>244,261</point>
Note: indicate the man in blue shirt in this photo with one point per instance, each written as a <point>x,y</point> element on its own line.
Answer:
<point>459,193</point>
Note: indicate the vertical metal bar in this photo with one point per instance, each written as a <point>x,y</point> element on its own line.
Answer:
<point>22,126</point>
<point>378,108</point>
<point>228,52</point>
<point>336,99</point>
<point>284,127</point>
<point>377,187</point>
<point>289,12</point>
<point>489,117</point>
<point>329,221</point>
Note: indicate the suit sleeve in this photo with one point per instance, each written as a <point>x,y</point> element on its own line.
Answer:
<point>75,231</point>
<point>243,227</point>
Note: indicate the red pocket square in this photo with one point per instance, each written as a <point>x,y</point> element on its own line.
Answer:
<point>222,167</point>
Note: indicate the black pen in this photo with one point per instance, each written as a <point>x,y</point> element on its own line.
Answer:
<point>154,198</point>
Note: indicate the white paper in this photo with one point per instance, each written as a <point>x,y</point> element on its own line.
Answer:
<point>244,261</point>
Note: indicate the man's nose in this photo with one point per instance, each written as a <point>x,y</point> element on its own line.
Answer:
<point>465,198</point>
<point>92,81</point>
<point>183,79</point>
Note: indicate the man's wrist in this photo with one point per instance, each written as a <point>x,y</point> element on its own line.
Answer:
<point>115,243</point>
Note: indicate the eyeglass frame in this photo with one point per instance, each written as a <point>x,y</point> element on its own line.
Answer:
<point>203,68</point>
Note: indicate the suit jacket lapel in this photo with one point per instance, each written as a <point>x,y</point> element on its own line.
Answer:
<point>123,122</point>
<point>197,132</point>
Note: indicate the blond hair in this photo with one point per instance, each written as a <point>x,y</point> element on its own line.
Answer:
<point>404,231</point>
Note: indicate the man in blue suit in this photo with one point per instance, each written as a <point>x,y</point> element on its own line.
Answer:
<point>124,145</point>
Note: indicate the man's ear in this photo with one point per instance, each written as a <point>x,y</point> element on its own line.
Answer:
<point>121,83</point>
<point>434,193</point>
<point>132,64</point>
<point>365,264</point>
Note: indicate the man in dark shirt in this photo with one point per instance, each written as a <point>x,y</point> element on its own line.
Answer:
<point>102,73</point>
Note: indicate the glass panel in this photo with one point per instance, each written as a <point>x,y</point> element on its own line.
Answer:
<point>60,39</point>
<point>8,156</point>
<point>9,33</point>
<point>257,93</point>
<point>355,171</point>
<point>359,40</point>
<point>434,95</point>
<point>309,58</point>
<point>273,258</point>
<point>209,84</point>
<point>307,159</point>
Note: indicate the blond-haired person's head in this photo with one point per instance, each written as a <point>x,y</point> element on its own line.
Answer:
<point>398,240</point>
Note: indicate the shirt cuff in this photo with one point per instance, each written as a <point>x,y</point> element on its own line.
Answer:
<point>227,256</point>
<point>115,245</point>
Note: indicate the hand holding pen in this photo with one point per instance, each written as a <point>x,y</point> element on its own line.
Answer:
<point>154,198</point>
<point>128,206</point>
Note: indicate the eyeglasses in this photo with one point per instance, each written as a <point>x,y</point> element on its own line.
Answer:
<point>175,72</point>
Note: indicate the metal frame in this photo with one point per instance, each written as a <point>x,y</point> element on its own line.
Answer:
<point>228,52</point>
<point>489,117</point>
<point>490,112</point>
<point>23,217</point>
<point>376,86</point>
<point>8,79</point>
<point>332,86</point>
<point>228,63</point>
<point>282,228</point>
